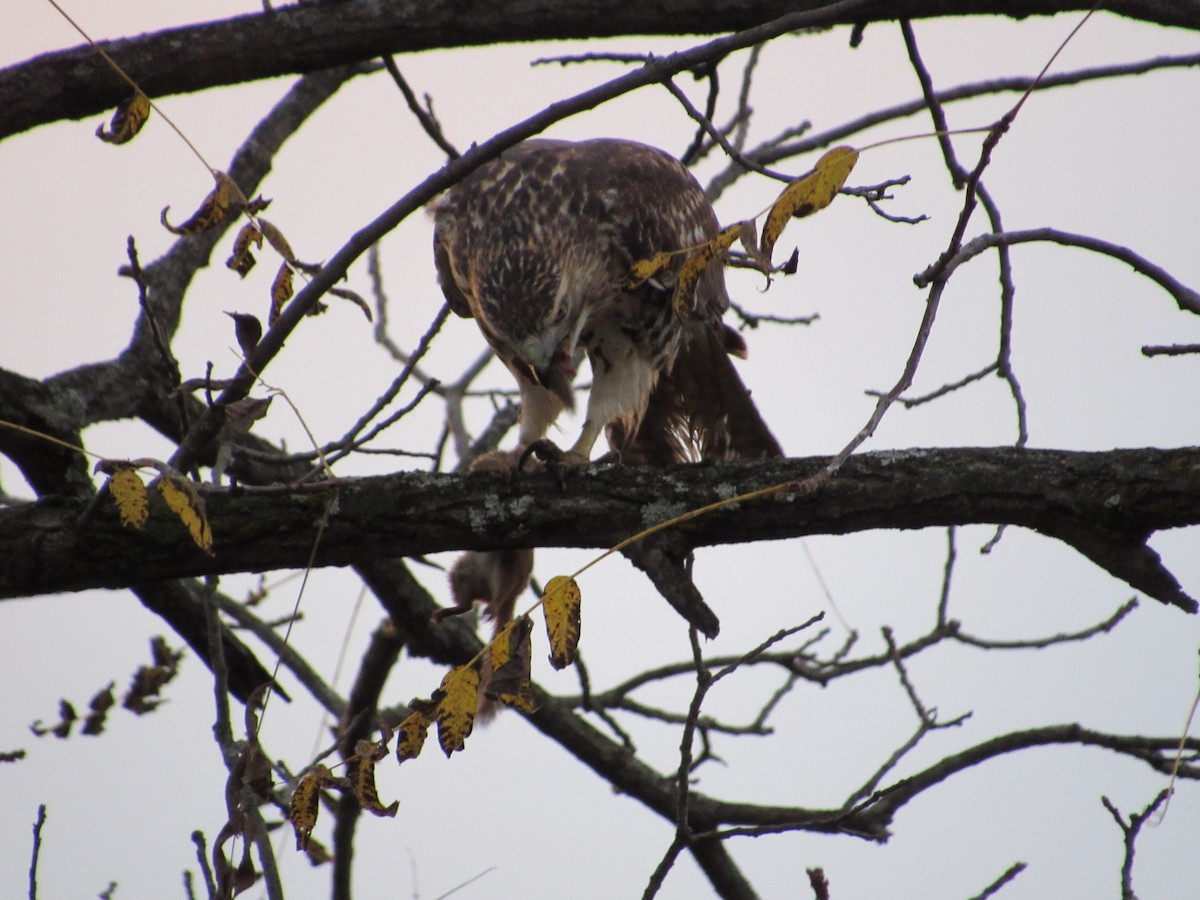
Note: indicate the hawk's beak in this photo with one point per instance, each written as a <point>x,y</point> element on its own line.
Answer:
<point>550,377</point>
<point>557,382</point>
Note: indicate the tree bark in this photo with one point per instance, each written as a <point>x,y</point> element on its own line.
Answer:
<point>75,83</point>
<point>1104,504</point>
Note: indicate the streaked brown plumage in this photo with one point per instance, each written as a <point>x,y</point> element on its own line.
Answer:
<point>535,246</point>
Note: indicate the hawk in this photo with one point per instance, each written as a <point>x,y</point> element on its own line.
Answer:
<point>537,247</point>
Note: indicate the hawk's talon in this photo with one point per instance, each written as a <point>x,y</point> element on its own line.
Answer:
<point>559,461</point>
<point>543,450</point>
<point>611,458</point>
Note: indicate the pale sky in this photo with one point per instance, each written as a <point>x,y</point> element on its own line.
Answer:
<point>1110,159</point>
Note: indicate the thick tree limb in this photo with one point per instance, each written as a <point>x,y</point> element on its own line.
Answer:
<point>75,83</point>
<point>1104,504</point>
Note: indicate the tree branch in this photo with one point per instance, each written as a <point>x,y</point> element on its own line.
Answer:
<point>75,83</point>
<point>1104,504</point>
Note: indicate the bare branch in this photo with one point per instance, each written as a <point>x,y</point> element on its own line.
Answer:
<point>306,37</point>
<point>1007,876</point>
<point>36,852</point>
<point>1187,298</point>
<point>1131,829</point>
<point>424,114</point>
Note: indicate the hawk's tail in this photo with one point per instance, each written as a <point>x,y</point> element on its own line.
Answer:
<point>699,409</point>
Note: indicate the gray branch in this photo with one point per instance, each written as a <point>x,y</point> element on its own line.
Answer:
<point>75,83</point>
<point>1105,505</point>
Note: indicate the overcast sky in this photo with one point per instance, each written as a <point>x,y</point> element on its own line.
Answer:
<point>1111,159</point>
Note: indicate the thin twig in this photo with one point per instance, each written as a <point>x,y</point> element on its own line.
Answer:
<point>424,114</point>
<point>1062,638</point>
<point>36,853</point>
<point>778,148</point>
<point>1130,829</point>
<point>1185,297</point>
<point>210,884</point>
<point>1008,875</point>
<point>707,125</point>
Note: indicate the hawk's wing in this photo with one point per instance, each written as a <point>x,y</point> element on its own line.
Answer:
<point>535,246</point>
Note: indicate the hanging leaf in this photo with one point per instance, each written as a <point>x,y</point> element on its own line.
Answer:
<point>360,769</point>
<point>306,803</point>
<point>242,259</point>
<point>276,239</point>
<point>561,602</point>
<point>696,263</point>
<point>414,729</point>
<point>129,493</point>
<point>98,710</point>
<point>127,120</point>
<point>748,237</point>
<point>808,194</point>
<point>181,497</point>
<point>143,693</point>
<point>456,711</point>
<point>317,854</point>
<point>240,416</point>
<point>61,730</point>
<point>247,329</point>
<point>225,199</point>
<point>281,292</point>
<point>511,657</point>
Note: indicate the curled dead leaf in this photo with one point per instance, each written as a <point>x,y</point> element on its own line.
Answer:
<point>127,120</point>
<point>242,260</point>
<point>281,292</point>
<point>225,199</point>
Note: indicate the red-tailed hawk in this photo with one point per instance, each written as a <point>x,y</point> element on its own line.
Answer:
<point>537,245</point>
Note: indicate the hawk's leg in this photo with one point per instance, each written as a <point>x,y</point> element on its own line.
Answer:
<point>539,409</point>
<point>621,383</point>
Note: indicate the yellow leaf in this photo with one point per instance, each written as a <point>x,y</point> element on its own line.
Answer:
<point>413,730</point>
<point>188,505</point>
<point>697,262</point>
<point>360,769</point>
<point>281,292</point>
<point>511,656</point>
<point>561,602</point>
<point>224,199</point>
<point>306,803</point>
<point>808,194</point>
<point>456,711</point>
<point>645,269</point>
<point>127,120</point>
<point>242,260</point>
<point>129,493</point>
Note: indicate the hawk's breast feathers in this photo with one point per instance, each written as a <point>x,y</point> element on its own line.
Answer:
<point>537,245</point>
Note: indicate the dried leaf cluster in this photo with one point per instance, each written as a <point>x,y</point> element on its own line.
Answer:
<point>142,696</point>
<point>803,196</point>
<point>500,673</point>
